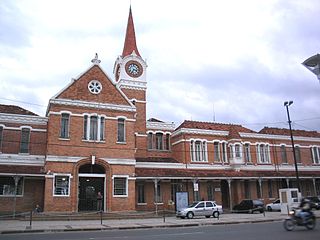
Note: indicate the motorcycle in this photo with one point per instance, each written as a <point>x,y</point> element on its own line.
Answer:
<point>296,220</point>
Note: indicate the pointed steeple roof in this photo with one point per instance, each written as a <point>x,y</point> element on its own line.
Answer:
<point>130,44</point>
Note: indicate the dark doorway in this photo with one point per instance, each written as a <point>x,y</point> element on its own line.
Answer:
<point>225,194</point>
<point>88,192</point>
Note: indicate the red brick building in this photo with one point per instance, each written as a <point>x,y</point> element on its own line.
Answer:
<point>95,138</point>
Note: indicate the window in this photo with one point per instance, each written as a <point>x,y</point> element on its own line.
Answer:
<point>283,154</point>
<point>93,128</point>
<point>158,194</point>
<point>258,189</point>
<point>297,154</point>
<point>1,137</point>
<point>315,153</point>
<point>159,141</point>
<point>150,141</point>
<point>167,141</point>
<point>263,153</point>
<point>247,154</point>
<point>237,148</point>
<point>61,185</point>
<point>198,151</point>
<point>121,130</point>
<point>216,152</point>
<point>7,186</point>
<point>64,128</point>
<point>120,186</point>
<point>25,140</point>
<point>141,195</point>
<point>210,191</point>
<point>224,152</point>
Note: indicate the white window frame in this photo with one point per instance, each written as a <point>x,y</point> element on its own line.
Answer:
<point>127,183</point>
<point>224,154</point>
<point>203,150</point>
<point>29,137</point>
<point>315,152</point>
<point>54,187</point>
<point>100,135</point>
<point>263,151</point>
<point>216,155</point>
<point>247,152</point>
<point>68,127</point>
<point>124,130</point>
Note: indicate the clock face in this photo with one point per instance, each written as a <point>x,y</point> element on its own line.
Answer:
<point>133,69</point>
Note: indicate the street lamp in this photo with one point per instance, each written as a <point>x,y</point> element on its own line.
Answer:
<point>287,104</point>
<point>313,64</point>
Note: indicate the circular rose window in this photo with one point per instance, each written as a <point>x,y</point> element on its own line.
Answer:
<point>95,86</point>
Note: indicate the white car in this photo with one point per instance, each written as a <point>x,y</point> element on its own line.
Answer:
<point>274,206</point>
<point>203,208</point>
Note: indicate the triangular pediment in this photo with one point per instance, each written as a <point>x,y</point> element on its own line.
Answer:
<point>79,90</point>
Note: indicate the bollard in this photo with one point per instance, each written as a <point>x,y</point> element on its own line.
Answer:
<point>164,216</point>
<point>30,218</point>
<point>101,217</point>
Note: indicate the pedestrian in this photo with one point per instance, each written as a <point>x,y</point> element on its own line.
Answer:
<point>99,201</point>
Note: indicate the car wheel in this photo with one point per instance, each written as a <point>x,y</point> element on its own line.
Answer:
<point>269,209</point>
<point>216,214</point>
<point>190,215</point>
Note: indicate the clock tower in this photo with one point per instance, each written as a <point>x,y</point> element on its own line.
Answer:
<point>130,76</point>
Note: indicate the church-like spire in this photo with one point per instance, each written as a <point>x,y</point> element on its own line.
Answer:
<point>130,44</point>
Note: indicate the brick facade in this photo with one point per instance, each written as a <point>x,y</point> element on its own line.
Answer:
<point>95,137</point>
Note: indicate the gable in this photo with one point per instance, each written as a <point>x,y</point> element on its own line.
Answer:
<point>78,90</point>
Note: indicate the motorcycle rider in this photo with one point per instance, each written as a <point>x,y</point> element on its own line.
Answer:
<point>305,207</point>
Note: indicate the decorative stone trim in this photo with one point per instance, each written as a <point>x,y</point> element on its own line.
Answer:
<point>119,161</point>
<point>79,103</point>
<point>200,132</point>
<point>19,159</point>
<point>161,126</point>
<point>51,158</point>
<point>278,137</point>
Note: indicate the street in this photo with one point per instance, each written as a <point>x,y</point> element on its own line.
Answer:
<point>261,231</point>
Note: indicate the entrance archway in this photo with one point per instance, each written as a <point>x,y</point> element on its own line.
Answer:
<point>91,181</point>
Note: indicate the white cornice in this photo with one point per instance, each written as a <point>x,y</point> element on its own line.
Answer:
<point>132,84</point>
<point>120,161</point>
<point>96,105</point>
<point>161,125</point>
<point>52,158</point>
<point>22,159</point>
<point>278,137</point>
<point>200,132</point>
<point>160,165</point>
<point>26,119</point>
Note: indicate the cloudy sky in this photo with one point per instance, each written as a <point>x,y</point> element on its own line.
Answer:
<point>230,61</point>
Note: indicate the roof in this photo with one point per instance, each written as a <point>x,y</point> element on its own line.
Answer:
<point>234,129</point>
<point>284,131</point>
<point>130,44</point>
<point>154,120</point>
<point>12,109</point>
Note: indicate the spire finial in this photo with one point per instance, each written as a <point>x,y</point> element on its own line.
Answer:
<point>96,61</point>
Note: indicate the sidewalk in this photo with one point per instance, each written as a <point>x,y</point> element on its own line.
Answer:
<point>17,226</point>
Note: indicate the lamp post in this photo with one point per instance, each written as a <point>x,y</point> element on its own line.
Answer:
<point>313,64</point>
<point>287,104</point>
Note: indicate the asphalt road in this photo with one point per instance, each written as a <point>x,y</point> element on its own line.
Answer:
<point>254,231</point>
